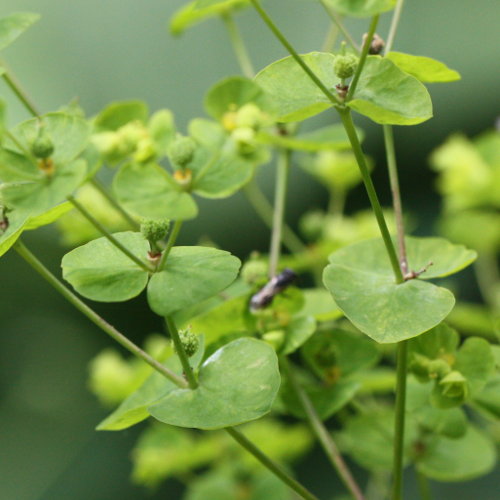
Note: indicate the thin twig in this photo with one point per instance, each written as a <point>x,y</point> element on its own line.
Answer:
<point>336,20</point>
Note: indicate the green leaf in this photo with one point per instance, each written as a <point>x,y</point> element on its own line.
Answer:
<point>327,400</point>
<point>238,383</point>
<point>361,8</point>
<point>191,274</point>
<point>19,221</point>
<point>295,96</point>
<point>219,176</point>
<point>161,126</point>
<point>30,189</point>
<point>14,25</point>
<point>69,134</point>
<point>332,137</point>
<point>232,93</point>
<point>149,191</point>
<point>475,362</point>
<point>134,408</point>
<point>461,459</point>
<point>390,96</point>
<point>446,422</point>
<point>118,114</point>
<point>339,353</point>
<point>197,11</point>
<point>16,225</point>
<point>368,438</point>
<point>101,272</point>
<point>439,342</point>
<point>297,332</point>
<point>425,69</point>
<point>362,283</point>
<point>488,399</point>
<point>319,303</point>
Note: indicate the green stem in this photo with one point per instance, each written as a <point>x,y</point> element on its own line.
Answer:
<point>19,92</point>
<point>94,317</point>
<point>394,26</point>
<point>111,200</point>
<point>179,349</point>
<point>330,38</point>
<point>362,57</point>
<point>238,44</point>
<point>397,469</point>
<point>345,115</point>
<point>270,464</point>
<point>324,438</point>
<point>170,243</point>
<point>264,210</point>
<point>423,486</point>
<point>396,197</point>
<point>279,209</point>
<point>279,35</point>
<point>337,22</point>
<point>108,235</point>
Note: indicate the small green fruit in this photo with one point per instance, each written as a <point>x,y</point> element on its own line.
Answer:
<point>182,151</point>
<point>254,271</point>
<point>344,66</point>
<point>454,385</point>
<point>154,230</point>
<point>42,147</point>
<point>189,341</point>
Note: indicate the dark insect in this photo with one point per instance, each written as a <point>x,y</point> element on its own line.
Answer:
<point>276,285</point>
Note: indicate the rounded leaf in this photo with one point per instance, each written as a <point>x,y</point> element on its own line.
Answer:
<point>390,96</point>
<point>362,283</point>
<point>149,191</point>
<point>232,93</point>
<point>14,25</point>
<point>238,383</point>
<point>423,68</point>
<point>191,274</point>
<point>99,271</point>
<point>361,8</point>
<point>470,456</point>
<point>294,95</point>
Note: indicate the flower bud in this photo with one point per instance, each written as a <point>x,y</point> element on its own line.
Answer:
<point>154,230</point>
<point>182,151</point>
<point>42,147</point>
<point>190,341</point>
<point>344,66</point>
<point>454,385</point>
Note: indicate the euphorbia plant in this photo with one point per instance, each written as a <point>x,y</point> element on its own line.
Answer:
<point>243,345</point>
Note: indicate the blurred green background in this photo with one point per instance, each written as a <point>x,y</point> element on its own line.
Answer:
<point>120,49</point>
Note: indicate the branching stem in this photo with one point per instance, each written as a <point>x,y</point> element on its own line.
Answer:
<point>239,46</point>
<point>108,235</point>
<point>94,317</point>
<point>279,209</point>
<point>276,469</point>
<point>181,353</point>
<point>279,35</point>
<point>338,23</point>
<point>346,117</point>
<point>326,441</point>
<point>396,197</point>
<point>19,92</point>
<point>112,201</point>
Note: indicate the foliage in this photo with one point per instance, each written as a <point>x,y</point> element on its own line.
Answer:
<point>258,343</point>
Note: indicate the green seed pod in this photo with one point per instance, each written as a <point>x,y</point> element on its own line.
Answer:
<point>154,230</point>
<point>182,151</point>
<point>42,147</point>
<point>190,341</point>
<point>344,66</point>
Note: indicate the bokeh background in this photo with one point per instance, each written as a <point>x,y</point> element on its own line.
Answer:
<point>100,51</point>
